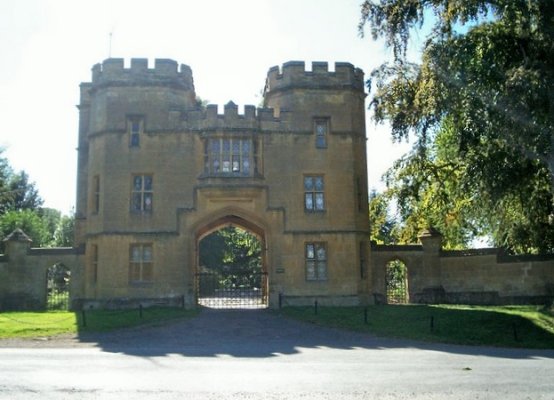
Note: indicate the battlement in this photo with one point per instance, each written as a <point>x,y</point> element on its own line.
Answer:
<point>113,72</point>
<point>251,119</point>
<point>293,74</point>
<point>231,112</point>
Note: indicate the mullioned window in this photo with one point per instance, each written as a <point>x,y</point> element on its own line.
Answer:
<point>142,195</point>
<point>316,261</point>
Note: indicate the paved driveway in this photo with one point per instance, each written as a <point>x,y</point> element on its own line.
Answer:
<point>254,354</point>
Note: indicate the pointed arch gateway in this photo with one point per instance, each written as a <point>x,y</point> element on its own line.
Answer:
<point>231,284</point>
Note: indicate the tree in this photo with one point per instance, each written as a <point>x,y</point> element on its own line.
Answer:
<point>382,226</point>
<point>64,232</point>
<point>16,192</point>
<point>485,77</point>
<point>5,172</point>
<point>233,253</point>
<point>28,221</point>
<point>430,190</point>
<point>20,207</point>
<point>51,219</point>
<point>230,248</point>
<point>23,194</point>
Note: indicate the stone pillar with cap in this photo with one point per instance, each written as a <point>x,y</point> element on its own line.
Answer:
<point>17,245</point>
<point>431,241</point>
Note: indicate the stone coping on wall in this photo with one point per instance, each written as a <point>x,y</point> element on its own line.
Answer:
<point>396,247</point>
<point>471,252</point>
<point>502,257</point>
<point>56,251</point>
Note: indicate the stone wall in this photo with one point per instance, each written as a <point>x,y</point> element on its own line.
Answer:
<point>479,276</point>
<point>23,273</point>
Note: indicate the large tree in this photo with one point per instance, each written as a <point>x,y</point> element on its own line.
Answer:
<point>16,191</point>
<point>383,227</point>
<point>20,207</point>
<point>484,85</point>
<point>33,224</point>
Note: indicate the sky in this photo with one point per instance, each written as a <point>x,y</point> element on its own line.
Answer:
<point>48,48</point>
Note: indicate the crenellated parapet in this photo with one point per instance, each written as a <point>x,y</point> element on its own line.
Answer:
<point>165,72</point>
<point>293,74</point>
<point>209,119</point>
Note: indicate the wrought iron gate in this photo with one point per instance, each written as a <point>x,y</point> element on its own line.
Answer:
<point>232,289</point>
<point>396,278</point>
<point>57,287</point>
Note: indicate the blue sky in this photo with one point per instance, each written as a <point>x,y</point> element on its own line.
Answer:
<point>49,46</point>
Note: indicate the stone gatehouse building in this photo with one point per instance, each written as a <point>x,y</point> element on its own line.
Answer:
<point>158,171</point>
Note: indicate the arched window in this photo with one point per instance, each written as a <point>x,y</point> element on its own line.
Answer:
<point>396,278</point>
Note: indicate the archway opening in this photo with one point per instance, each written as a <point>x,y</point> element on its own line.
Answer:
<point>396,277</point>
<point>58,278</point>
<point>231,271</point>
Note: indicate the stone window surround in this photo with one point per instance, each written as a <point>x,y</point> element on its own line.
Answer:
<point>95,194</point>
<point>135,129</point>
<point>316,257</point>
<point>243,161</point>
<point>142,198</point>
<point>314,196</point>
<point>94,263</point>
<point>321,128</point>
<point>141,263</point>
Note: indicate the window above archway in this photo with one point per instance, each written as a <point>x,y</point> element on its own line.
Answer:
<point>231,156</point>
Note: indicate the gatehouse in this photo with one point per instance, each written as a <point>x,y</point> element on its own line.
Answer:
<point>159,171</point>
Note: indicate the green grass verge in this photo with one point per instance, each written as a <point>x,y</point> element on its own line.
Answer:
<point>36,324</point>
<point>508,326</point>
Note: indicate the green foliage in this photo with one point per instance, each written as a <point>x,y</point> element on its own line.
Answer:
<point>51,219</point>
<point>233,253</point>
<point>481,105</point>
<point>64,231</point>
<point>28,221</point>
<point>382,226</point>
<point>23,194</point>
<point>396,278</point>
<point>16,192</point>
<point>58,279</point>
<point>46,227</point>
<point>431,189</point>
<point>20,207</point>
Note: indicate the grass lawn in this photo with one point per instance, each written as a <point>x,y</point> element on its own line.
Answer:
<point>505,326</point>
<point>34,324</point>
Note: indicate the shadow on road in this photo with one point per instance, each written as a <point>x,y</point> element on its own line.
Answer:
<point>262,333</point>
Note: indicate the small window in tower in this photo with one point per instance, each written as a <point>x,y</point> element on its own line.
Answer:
<point>94,263</point>
<point>321,128</point>
<point>96,194</point>
<point>135,128</point>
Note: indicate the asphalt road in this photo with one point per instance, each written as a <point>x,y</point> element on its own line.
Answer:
<point>253,354</point>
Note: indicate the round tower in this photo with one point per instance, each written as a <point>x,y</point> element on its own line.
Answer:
<point>339,93</point>
<point>117,110</point>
